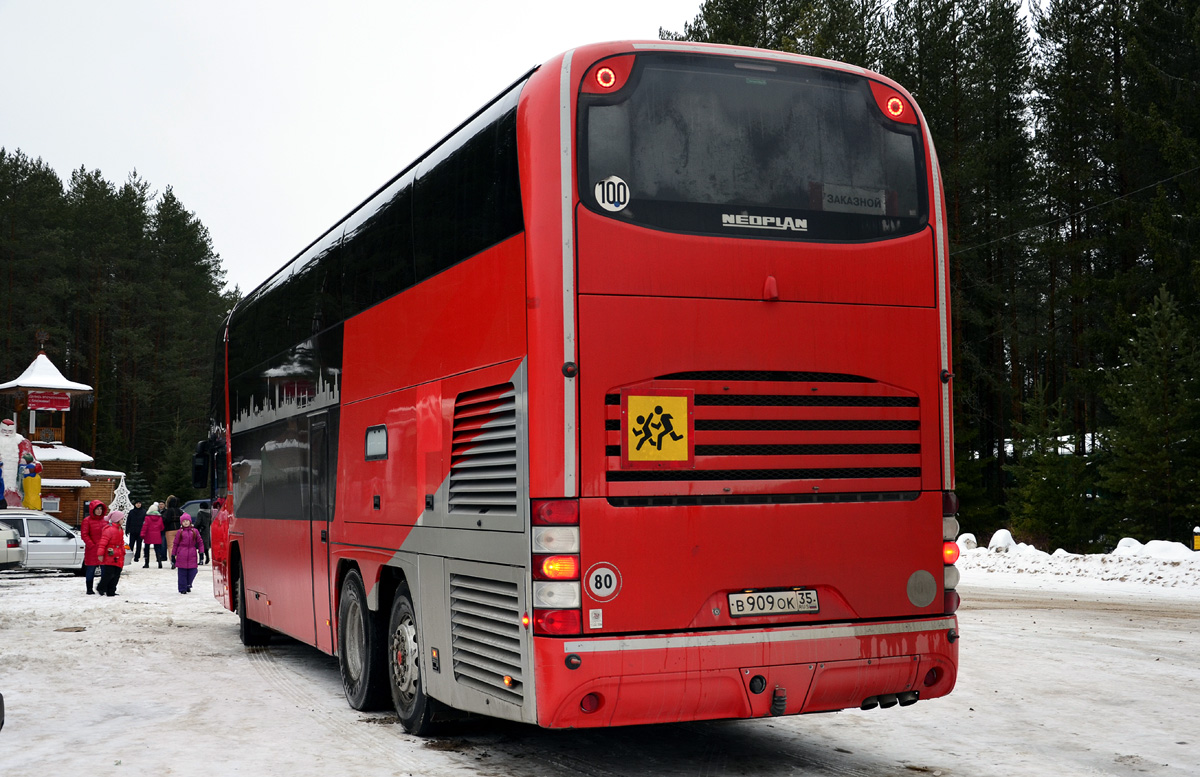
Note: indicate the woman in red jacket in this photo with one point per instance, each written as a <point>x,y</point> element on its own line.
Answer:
<point>112,554</point>
<point>152,533</point>
<point>91,529</point>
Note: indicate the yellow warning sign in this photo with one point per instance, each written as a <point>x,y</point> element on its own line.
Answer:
<point>658,429</point>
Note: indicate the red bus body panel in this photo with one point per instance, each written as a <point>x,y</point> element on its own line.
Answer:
<point>634,310</point>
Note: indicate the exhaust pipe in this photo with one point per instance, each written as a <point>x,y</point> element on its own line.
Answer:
<point>908,698</point>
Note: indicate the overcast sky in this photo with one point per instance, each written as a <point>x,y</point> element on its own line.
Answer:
<point>271,120</point>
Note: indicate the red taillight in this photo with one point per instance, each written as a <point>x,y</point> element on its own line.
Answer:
<point>557,622</point>
<point>552,512</point>
<point>949,503</point>
<point>952,600</point>
<point>892,104</point>
<point>950,552</point>
<point>13,543</point>
<point>607,76</point>
<point>556,567</point>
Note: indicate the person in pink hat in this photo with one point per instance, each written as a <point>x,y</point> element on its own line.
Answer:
<point>112,554</point>
<point>186,551</point>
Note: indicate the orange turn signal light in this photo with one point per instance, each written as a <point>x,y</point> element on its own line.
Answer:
<point>950,552</point>
<point>559,567</point>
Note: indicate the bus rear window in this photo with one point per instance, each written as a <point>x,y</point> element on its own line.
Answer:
<point>715,146</point>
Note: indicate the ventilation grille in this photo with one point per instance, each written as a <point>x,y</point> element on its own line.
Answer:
<point>485,630</point>
<point>794,434</point>
<point>483,465</point>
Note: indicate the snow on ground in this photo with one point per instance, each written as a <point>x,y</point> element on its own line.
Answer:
<point>1157,567</point>
<point>153,681</point>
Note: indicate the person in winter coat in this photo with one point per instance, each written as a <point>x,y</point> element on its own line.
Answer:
<point>152,533</point>
<point>203,524</point>
<point>91,529</point>
<point>133,527</point>
<point>170,516</point>
<point>112,554</point>
<point>186,551</point>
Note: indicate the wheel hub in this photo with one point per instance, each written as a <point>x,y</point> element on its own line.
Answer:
<point>404,659</point>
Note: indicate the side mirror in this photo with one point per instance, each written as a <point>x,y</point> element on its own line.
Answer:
<point>200,470</point>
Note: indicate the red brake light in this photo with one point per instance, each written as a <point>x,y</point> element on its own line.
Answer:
<point>951,600</point>
<point>892,104</point>
<point>549,512</point>
<point>558,622</point>
<point>608,75</point>
<point>949,503</point>
<point>556,567</point>
<point>950,552</point>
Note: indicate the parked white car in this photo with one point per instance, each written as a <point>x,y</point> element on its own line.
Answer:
<point>12,552</point>
<point>48,542</point>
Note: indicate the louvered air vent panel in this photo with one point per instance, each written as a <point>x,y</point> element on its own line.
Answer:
<point>485,629</point>
<point>799,433</point>
<point>483,466</point>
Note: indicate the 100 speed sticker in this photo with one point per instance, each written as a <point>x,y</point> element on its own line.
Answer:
<point>603,581</point>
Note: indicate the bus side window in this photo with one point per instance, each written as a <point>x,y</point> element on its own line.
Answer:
<point>376,443</point>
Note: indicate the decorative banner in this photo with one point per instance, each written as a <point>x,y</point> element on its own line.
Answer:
<point>49,400</point>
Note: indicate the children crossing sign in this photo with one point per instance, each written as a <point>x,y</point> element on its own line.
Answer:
<point>658,429</point>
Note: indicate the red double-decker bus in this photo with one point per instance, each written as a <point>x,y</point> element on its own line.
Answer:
<point>627,402</point>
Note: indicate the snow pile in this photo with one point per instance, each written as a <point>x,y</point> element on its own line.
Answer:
<point>1157,564</point>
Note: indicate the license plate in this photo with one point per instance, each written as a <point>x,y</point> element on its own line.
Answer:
<point>773,603</point>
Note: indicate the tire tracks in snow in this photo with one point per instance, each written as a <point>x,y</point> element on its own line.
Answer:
<point>350,726</point>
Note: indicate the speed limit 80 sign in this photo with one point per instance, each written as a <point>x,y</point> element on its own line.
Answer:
<point>603,581</point>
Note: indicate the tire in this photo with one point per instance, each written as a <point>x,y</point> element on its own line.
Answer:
<point>252,633</point>
<point>416,711</point>
<point>360,648</point>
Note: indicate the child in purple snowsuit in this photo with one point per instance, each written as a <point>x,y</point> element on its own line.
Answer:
<point>186,551</point>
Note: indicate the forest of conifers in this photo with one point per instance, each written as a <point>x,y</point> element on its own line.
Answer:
<point>123,285</point>
<point>1069,141</point>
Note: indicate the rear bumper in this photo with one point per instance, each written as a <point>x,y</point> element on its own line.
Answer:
<point>709,675</point>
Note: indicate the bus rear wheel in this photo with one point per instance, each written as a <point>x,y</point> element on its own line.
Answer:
<point>252,633</point>
<point>360,648</point>
<point>414,709</point>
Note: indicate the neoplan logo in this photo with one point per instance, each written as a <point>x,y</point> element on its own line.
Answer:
<point>778,223</point>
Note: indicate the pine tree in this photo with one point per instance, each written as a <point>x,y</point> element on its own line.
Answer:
<point>1079,84</point>
<point>851,31</point>
<point>782,25</point>
<point>1152,470</point>
<point>993,275</point>
<point>139,488</point>
<point>1052,500</point>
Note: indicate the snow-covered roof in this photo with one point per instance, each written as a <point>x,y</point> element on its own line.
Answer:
<point>44,376</point>
<point>56,451</point>
<point>102,473</point>
<point>64,483</point>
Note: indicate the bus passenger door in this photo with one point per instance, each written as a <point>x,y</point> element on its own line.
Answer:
<point>319,479</point>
